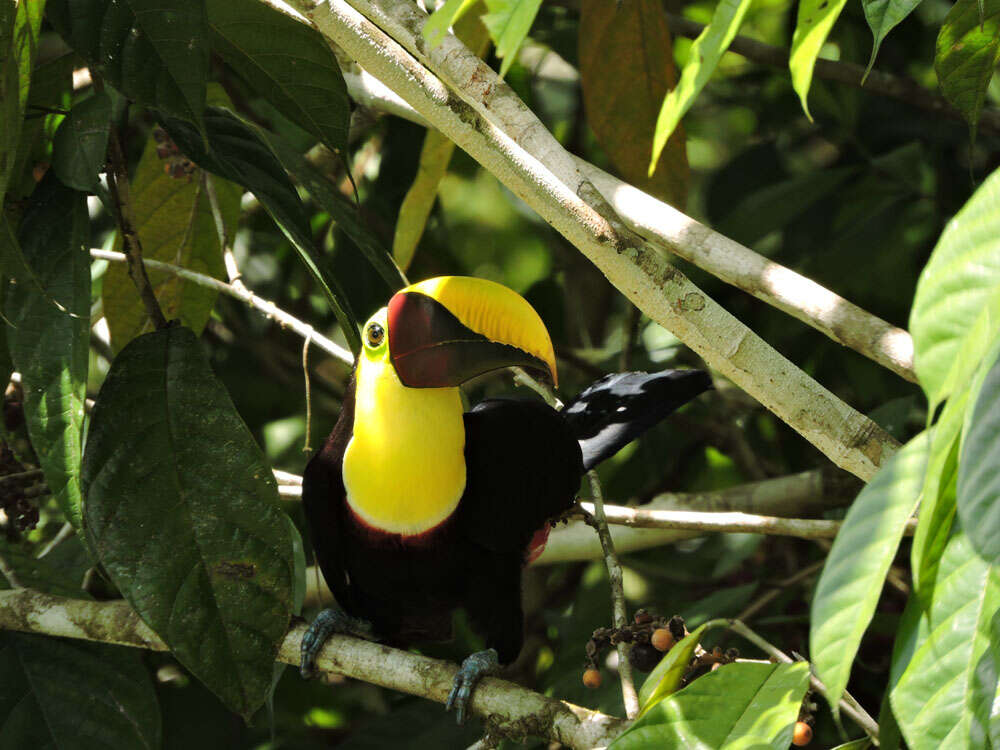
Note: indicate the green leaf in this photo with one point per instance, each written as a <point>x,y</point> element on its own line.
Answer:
<point>859,744</point>
<point>182,511</point>
<point>979,471</point>
<point>237,152</point>
<point>173,218</point>
<point>13,264</point>
<point>19,27</point>
<point>968,47</point>
<point>509,22</point>
<point>813,25</point>
<point>852,579</point>
<point>73,695</point>
<point>960,282</point>
<point>631,42</point>
<point>706,51</point>
<point>945,696</point>
<point>153,51</point>
<point>342,211</point>
<point>666,676</point>
<point>285,61</point>
<point>81,143</point>
<point>49,345</point>
<point>737,706</point>
<point>444,17</point>
<point>883,16</point>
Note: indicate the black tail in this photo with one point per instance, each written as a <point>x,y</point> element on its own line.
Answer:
<point>619,407</point>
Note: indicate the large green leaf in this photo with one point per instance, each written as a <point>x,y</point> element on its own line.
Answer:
<point>968,46</point>
<point>960,282</point>
<point>979,471</point>
<point>50,345</point>
<point>883,16</point>
<point>287,62</point>
<point>666,676</point>
<point>734,707</point>
<point>813,25</point>
<point>237,152</point>
<point>182,510</point>
<point>945,697</point>
<point>855,570</point>
<point>81,143</point>
<point>72,695</point>
<point>153,51</point>
<point>19,27</point>
<point>173,217</point>
<point>343,211</point>
<point>441,19</point>
<point>509,22</point>
<point>631,42</point>
<point>705,54</point>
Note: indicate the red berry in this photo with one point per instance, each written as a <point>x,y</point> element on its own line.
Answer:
<point>802,735</point>
<point>662,639</point>
<point>592,678</point>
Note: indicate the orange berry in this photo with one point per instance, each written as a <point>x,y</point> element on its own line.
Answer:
<point>592,678</point>
<point>662,639</point>
<point>802,735</point>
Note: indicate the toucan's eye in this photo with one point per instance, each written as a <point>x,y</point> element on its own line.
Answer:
<point>375,335</point>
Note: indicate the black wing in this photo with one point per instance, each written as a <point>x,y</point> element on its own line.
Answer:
<point>618,408</point>
<point>523,467</point>
<point>323,501</point>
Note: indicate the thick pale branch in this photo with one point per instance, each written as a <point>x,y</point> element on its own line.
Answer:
<point>847,437</point>
<point>509,709</point>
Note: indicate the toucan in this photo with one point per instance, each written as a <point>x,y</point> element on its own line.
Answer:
<point>417,507</point>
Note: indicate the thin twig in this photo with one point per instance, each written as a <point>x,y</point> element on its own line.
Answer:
<point>802,528</point>
<point>305,374</point>
<point>21,475</point>
<point>244,295</point>
<point>119,188</point>
<point>769,596</point>
<point>629,695</point>
<point>509,707</point>
<point>884,84</point>
<point>229,259</point>
<point>65,533</point>
<point>8,572</point>
<point>848,704</point>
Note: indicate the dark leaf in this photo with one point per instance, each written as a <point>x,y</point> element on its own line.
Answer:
<point>81,143</point>
<point>182,510</point>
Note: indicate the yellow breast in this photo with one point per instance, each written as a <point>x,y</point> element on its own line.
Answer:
<point>404,468</point>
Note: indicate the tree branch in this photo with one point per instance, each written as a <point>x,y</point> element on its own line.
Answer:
<point>884,84</point>
<point>848,438</point>
<point>243,294</point>
<point>508,709</point>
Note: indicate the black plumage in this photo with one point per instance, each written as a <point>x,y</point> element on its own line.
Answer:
<point>524,463</point>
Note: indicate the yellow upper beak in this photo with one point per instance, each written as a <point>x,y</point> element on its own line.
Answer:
<point>446,330</point>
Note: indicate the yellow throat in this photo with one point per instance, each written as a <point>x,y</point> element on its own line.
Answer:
<point>404,467</point>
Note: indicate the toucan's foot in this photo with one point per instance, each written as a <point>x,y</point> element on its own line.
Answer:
<point>473,668</point>
<point>327,622</point>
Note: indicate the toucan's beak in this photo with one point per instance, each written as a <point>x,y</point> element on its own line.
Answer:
<point>447,330</point>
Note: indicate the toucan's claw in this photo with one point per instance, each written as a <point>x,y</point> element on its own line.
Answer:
<point>329,621</point>
<point>473,668</point>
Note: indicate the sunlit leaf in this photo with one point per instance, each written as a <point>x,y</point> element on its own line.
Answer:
<point>19,27</point>
<point>631,42</point>
<point>173,217</point>
<point>287,62</point>
<point>509,22</point>
<point>959,284</point>
<point>666,676</point>
<point>738,706</point>
<point>706,51</point>
<point>153,51</point>
<point>238,153</point>
<point>855,570</point>
<point>182,510</point>
<point>443,18</point>
<point>979,471</point>
<point>945,698</point>
<point>50,345</point>
<point>883,16</point>
<point>72,695</point>
<point>813,25</point>
<point>968,47</point>
<point>81,143</point>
